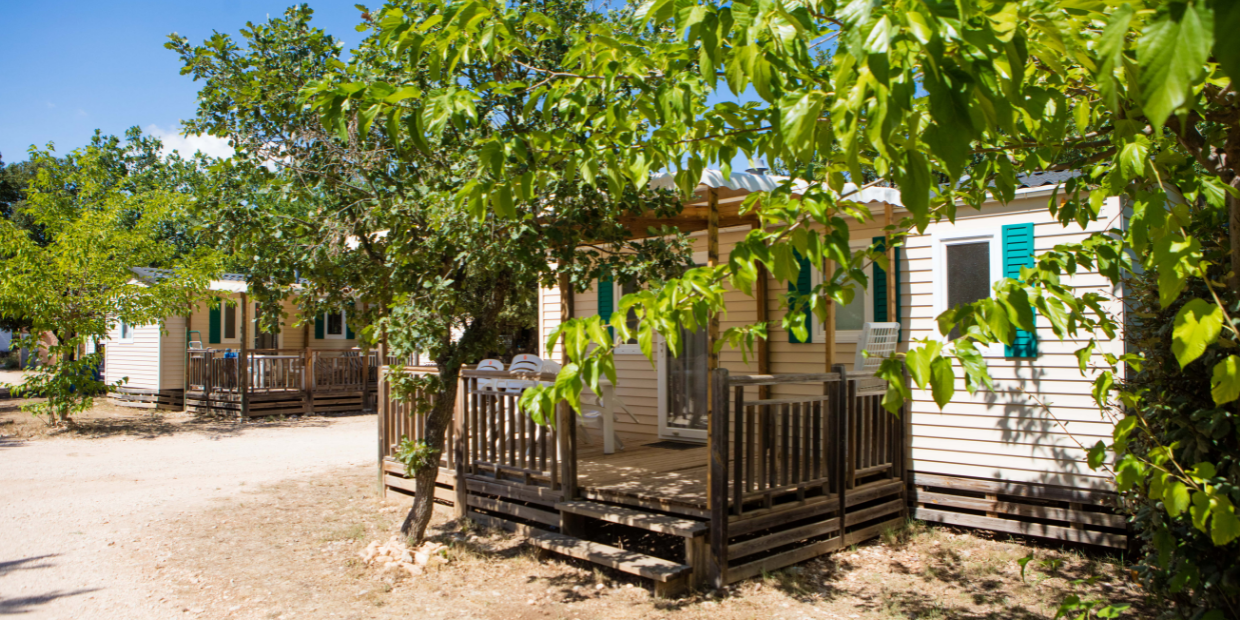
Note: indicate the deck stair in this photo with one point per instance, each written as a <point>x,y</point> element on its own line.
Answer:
<point>669,577</point>
<point>664,524</point>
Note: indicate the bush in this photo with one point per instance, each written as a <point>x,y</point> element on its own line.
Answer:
<point>1180,561</point>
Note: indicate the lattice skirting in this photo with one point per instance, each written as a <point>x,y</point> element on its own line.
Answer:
<point>1045,511</point>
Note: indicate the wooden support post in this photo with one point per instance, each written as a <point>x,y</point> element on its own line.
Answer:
<point>764,346</point>
<point>828,329</point>
<point>843,411</point>
<point>307,369</point>
<point>892,305</point>
<point>381,410</point>
<point>566,425</point>
<point>712,260</point>
<point>717,476</point>
<point>365,376</point>
<point>697,555</point>
<point>243,359</point>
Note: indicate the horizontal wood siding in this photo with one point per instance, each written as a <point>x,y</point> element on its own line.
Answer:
<point>172,354</point>
<point>137,361</point>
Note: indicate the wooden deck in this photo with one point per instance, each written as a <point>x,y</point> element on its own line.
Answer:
<point>644,474</point>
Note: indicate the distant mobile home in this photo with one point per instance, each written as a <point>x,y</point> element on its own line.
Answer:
<point>196,361</point>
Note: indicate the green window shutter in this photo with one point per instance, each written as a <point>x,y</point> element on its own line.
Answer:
<point>318,327</point>
<point>884,308</point>
<point>803,284</point>
<point>606,298</point>
<point>213,325</point>
<point>348,329</point>
<point>1017,253</point>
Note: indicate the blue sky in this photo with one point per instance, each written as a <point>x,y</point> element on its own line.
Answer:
<point>70,67</point>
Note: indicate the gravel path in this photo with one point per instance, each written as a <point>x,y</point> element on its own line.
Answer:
<point>70,507</point>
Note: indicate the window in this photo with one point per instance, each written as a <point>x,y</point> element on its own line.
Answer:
<point>850,318</point>
<point>334,325</point>
<point>230,321</point>
<point>966,264</point>
<point>631,320</point>
<point>126,332</point>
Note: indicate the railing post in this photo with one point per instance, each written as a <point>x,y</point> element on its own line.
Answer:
<point>842,405</point>
<point>462,434</point>
<point>566,437</point>
<point>717,477</point>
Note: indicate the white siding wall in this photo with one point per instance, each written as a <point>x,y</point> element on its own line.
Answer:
<point>1007,433</point>
<point>137,360</point>
<point>290,337</point>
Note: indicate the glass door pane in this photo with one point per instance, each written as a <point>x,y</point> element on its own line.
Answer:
<point>686,387</point>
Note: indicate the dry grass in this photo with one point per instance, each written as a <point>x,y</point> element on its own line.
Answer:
<point>290,551</point>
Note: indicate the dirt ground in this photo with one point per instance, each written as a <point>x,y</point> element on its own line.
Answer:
<point>76,504</point>
<point>290,550</point>
<point>140,516</point>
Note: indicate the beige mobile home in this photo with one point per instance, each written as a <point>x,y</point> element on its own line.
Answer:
<point>216,361</point>
<point>999,460</point>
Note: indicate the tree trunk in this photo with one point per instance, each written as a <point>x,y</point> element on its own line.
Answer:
<point>437,423</point>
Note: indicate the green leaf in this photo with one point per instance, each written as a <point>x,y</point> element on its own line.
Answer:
<point>1197,326</point>
<point>1176,498</point>
<point>1172,53</point>
<point>942,381</point>
<point>1225,383</point>
<point>798,118</point>
<point>1097,455</point>
<point>1225,527</point>
<point>501,200</point>
<point>918,361</point>
<point>915,189</point>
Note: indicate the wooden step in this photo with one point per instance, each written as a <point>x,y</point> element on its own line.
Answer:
<point>627,516</point>
<point>630,562</point>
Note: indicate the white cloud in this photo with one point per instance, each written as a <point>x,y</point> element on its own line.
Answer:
<point>210,146</point>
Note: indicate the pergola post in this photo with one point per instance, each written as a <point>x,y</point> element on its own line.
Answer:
<point>828,329</point>
<point>764,347</point>
<point>243,365</point>
<point>892,267</point>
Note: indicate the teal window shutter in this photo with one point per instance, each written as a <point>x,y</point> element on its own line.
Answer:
<point>319,328</point>
<point>884,308</point>
<point>606,298</point>
<point>1017,253</point>
<point>213,324</point>
<point>348,329</point>
<point>804,284</point>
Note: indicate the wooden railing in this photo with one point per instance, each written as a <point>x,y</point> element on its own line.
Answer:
<point>337,371</point>
<point>401,419</point>
<point>784,445</point>
<point>501,440</point>
<point>210,370</point>
<point>276,370</point>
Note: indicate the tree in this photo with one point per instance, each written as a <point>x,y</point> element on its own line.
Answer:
<point>340,199</point>
<point>93,215</point>
<point>1136,95</point>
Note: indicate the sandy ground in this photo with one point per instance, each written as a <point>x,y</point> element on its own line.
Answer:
<point>72,509</point>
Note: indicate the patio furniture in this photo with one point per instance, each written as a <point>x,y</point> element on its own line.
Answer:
<point>879,340</point>
<point>490,384</point>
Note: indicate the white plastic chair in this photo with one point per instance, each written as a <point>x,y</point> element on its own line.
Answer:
<point>592,416</point>
<point>880,340</point>
<point>526,362</point>
<point>489,383</point>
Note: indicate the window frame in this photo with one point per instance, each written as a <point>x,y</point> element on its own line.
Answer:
<point>344,326</point>
<point>939,243</point>
<point>121,328</point>
<point>850,335</point>
<point>699,260</point>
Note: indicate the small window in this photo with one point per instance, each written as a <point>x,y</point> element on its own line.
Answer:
<point>230,321</point>
<point>849,319</point>
<point>126,332</point>
<point>968,274</point>
<point>631,319</point>
<point>334,325</point>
